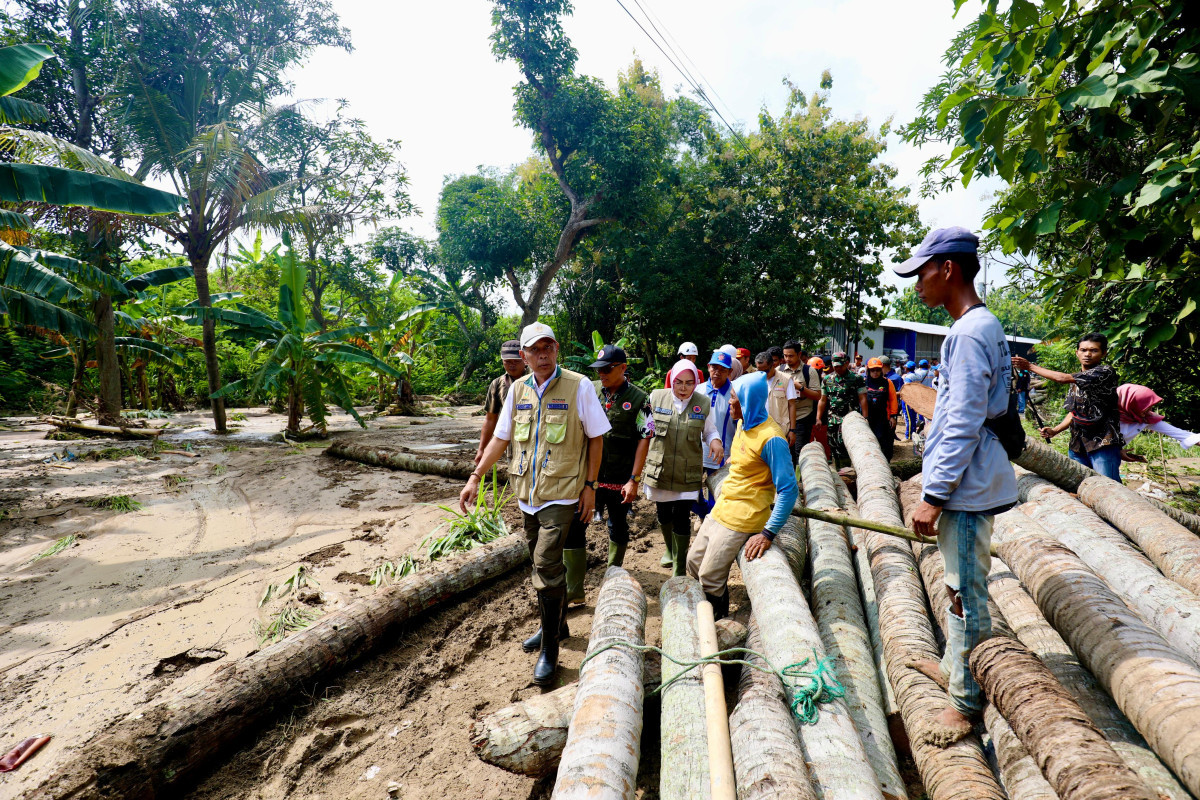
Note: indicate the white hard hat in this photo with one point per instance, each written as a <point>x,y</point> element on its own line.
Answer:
<point>536,332</point>
<point>689,349</point>
<point>728,348</point>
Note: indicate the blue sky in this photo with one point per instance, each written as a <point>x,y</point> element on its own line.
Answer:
<point>424,73</point>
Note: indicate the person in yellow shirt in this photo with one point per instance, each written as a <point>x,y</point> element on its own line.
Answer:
<point>760,472</point>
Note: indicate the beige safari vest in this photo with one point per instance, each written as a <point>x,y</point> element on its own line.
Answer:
<point>777,402</point>
<point>675,461</point>
<point>549,447</point>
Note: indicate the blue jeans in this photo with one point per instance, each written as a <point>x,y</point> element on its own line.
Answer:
<point>1021,400</point>
<point>1106,461</point>
<point>964,539</point>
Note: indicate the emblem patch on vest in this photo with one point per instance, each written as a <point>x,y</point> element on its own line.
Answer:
<point>666,411</point>
<point>557,406</point>
<point>524,406</point>
<point>627,406</point>
<point>695,409</point>
<point>695,416</point>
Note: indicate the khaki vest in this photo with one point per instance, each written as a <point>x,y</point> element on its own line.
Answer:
<point>621,442</point>
<point>675,462</point>
<point>777,402</point>
<point>549,446</point>
<point>747,494</point>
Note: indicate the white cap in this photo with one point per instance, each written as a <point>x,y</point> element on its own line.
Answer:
<point>728,348</point>
<point>687,349</point>
<point>536,332</point>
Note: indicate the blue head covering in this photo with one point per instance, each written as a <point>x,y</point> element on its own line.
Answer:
<point>752,393</point>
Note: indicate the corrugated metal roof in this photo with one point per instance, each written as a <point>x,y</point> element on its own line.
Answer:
<point>925,327</point>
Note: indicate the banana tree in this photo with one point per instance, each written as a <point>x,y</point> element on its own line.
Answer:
<point>34,287</point>
<point>303,364</point>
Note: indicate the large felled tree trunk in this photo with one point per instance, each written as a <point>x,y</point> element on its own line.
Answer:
<point>1031,628</point>
<point>1156,687</point>
<point>683,744</point>
<point>837,760</point>
<point>949,771</point>
<point>1073,755</point>
<point>767,759</point>
<point>150,754</point>
<point>600,759</point>
<point>528,736</point>
<point>394,459</point>
<point>212,366</point>
<point>1172,610</point>
<point>1172,547</point>
<point>842,622</point>
<point>1018,771</point>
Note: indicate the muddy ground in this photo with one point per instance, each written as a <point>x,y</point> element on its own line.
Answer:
<point>144,599</point>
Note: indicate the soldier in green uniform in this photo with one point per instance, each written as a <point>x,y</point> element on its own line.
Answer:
<point>625,447</point>
<point>842,391</point>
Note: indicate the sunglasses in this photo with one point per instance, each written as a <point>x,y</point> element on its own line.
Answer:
<point>608,369</point>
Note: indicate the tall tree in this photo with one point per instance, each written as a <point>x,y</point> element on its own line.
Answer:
<point>201,77</point>
<point>604,148</point>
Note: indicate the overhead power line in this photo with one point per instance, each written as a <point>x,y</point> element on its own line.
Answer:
<point>683,73</point>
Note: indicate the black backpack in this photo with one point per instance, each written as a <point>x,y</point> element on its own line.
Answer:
<point>1008,428</point>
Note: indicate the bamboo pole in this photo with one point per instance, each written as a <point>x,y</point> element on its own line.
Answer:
<point>1031,628</point>
<point>1173,548</point>
<point>1156,687</point>
<point>600,759</point>
<point>768,761</point>
<point>953,770</point>
<point>836,758</point>
<point>1073,755</point>
<point>395,459</point>
<point>842,622</point>
<point>865,524</point>
<point>716,716</point>
<point>1172,610</point>
<point>151,753</point>
<point>684,757</point>
<point>527,737</point>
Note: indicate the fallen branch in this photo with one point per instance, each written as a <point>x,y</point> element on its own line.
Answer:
<point>1072,754</point>
<point>600,760</point>
<point>527,737</point>
<point>148,754</point>
<point>103,430</point>
<point>395,459</point>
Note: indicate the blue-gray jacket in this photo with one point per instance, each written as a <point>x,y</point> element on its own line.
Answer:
<point>965,466</point>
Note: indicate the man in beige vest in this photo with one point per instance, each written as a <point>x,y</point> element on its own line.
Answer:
<point>556,426</point>
<point>781,395</point>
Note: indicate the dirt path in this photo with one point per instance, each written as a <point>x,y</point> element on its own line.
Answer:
<point>142,598</point>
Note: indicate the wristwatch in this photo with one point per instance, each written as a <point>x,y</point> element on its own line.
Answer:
<point>590,484</point>
<point>635,478</point>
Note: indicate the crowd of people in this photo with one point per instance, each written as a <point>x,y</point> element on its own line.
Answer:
<point>580,449</point>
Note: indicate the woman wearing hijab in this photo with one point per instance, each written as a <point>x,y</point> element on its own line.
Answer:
<point>682,426</point>
<point>760,472</point>
<point>882,407</point>
<point>733,357</point>
<point>1134,402</point>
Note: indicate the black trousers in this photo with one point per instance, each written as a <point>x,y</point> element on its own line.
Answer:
<point>608,503</point>
<point>804,429</point>
<point>677,511</point>
<point>883,432</point>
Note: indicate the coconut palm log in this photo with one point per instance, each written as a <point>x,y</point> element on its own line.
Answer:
<point>1072,754</point>
<point>600,759</point>
<point>395,459</point>
<point>1031,628</point>
<point>767,759</point>
<point>1018,771</point>
<point>683,739</point>
<point>1173,548</point>
<point>1156,687</point>
<point>1169,608</point>
<point>842,622</point>
<point>150,753</point>
<point>950,771</point>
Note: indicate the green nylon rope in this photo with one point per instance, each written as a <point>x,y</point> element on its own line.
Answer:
<point>806,689</point>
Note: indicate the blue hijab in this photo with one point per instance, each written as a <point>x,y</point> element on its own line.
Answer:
<point>752,391</point>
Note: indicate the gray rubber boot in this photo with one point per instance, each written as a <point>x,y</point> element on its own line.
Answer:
<point>680,553</point>
<point>668,532</point>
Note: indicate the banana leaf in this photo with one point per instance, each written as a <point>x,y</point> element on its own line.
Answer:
<point>27,309</point>
<point>20,64</point>
<point>348,353</point>
<point>158,277</point>
<point>342,333</point>
<point>14,220</point>
<point>32,183</point>
<point>79,272</point>
<point>149,350</point>
<point>15,111</point>
<point>21,272</point>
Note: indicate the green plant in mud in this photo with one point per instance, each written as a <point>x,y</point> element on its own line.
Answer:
<point>481,524</point>
<point>390,572</point>
<point>54,549</point>
<point>116,502</point>
<point>237,416</point>
<point>294,582</point>
<point>231,448</point>
<point>219,469</point>
<point>283,623</point>
<point>175,481</point>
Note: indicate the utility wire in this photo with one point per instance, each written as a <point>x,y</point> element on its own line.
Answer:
<point>686,76</point>
<point>703,78</point>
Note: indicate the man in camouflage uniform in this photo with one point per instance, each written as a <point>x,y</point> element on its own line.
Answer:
<point>842,391</point>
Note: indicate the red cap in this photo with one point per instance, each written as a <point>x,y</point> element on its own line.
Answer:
<point>744,351</point>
